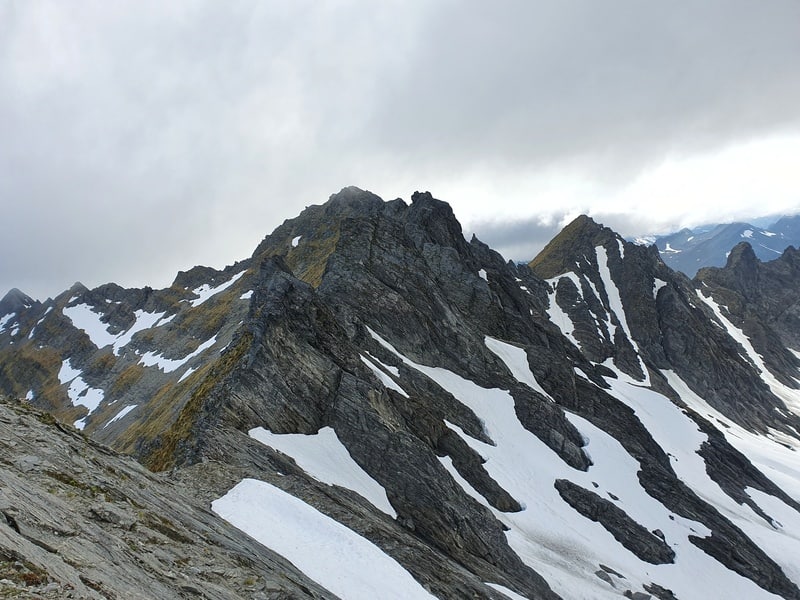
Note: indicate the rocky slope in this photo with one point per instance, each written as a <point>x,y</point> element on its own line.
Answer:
<point>79,521</point>
<point>591,425</point>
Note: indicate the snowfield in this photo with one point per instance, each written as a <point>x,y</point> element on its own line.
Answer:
<point>334,556</point>
<point>326,459</point>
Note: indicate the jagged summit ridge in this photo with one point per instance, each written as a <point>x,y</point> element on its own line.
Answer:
<point>475,417</point>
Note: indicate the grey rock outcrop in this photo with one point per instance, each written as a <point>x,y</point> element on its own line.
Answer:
<point>80,521</point>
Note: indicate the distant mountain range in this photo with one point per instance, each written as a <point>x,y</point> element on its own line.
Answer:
<point>688,250</point>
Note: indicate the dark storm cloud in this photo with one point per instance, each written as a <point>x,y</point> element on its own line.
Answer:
<point>142,138</point>
<point>139,138</point>
<point>613,84</point>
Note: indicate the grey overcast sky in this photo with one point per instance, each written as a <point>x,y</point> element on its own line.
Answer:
<point>139,138</point>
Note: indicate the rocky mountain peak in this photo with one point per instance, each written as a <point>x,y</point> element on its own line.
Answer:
<point>352,201</point>
<point>742,265</point>
<point>742,256</point>
<point>577,239</point>
<point>15,300</point>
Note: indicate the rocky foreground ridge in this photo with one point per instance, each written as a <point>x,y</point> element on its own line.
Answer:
<point>591,425</point>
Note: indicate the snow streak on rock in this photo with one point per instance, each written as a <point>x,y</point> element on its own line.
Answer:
<point>382,376</point>
<point>120,414</point>
<point>790,397</point>
<point>206,291</point>
<point>80,393</point>
<point>615,304</point>
<point>516,360</point>
<point>169,364</point>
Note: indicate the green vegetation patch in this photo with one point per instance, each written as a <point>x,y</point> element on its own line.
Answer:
<point>310,259</point>
<point>20,572</point>
<point>66,479</point>
<point>25,366</point>
<point>164,457</point>
<point>551,261</point>
<point>127,379</point>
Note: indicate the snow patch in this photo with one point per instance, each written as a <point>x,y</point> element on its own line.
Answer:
<point>246,295</point>
<point>296,241</point>
<point>383,377</point>
<point>168,365</point>
<point>325,458</point>
<point>769,233</point>
<point>747,233</point>
<point>39,322</point>
<point>83,317</point>
<point>334,556</point>
<point>67,372</point>
<point>120,414</point>
<point>144,320</point>
<point>516,359</point>
<point>80,393</point>
<point>6,319</point>
<point>205,291</point>
<point>482,274</point>
<point>657,285</point>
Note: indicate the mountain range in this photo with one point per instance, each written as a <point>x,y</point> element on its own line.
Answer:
<point>688,250</point>
<point>373,406</point>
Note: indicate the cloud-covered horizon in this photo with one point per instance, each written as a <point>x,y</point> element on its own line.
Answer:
<point>143,138</point>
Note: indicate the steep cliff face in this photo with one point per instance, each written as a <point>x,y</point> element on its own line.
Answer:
<point>618,302</point>
<point>762,299</point>
<point>589,425</point>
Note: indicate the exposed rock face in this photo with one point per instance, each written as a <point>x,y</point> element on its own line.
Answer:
<point>763,300</point>
<point>79,521</point>
<point>646,545</point>
<point>486,400</point>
